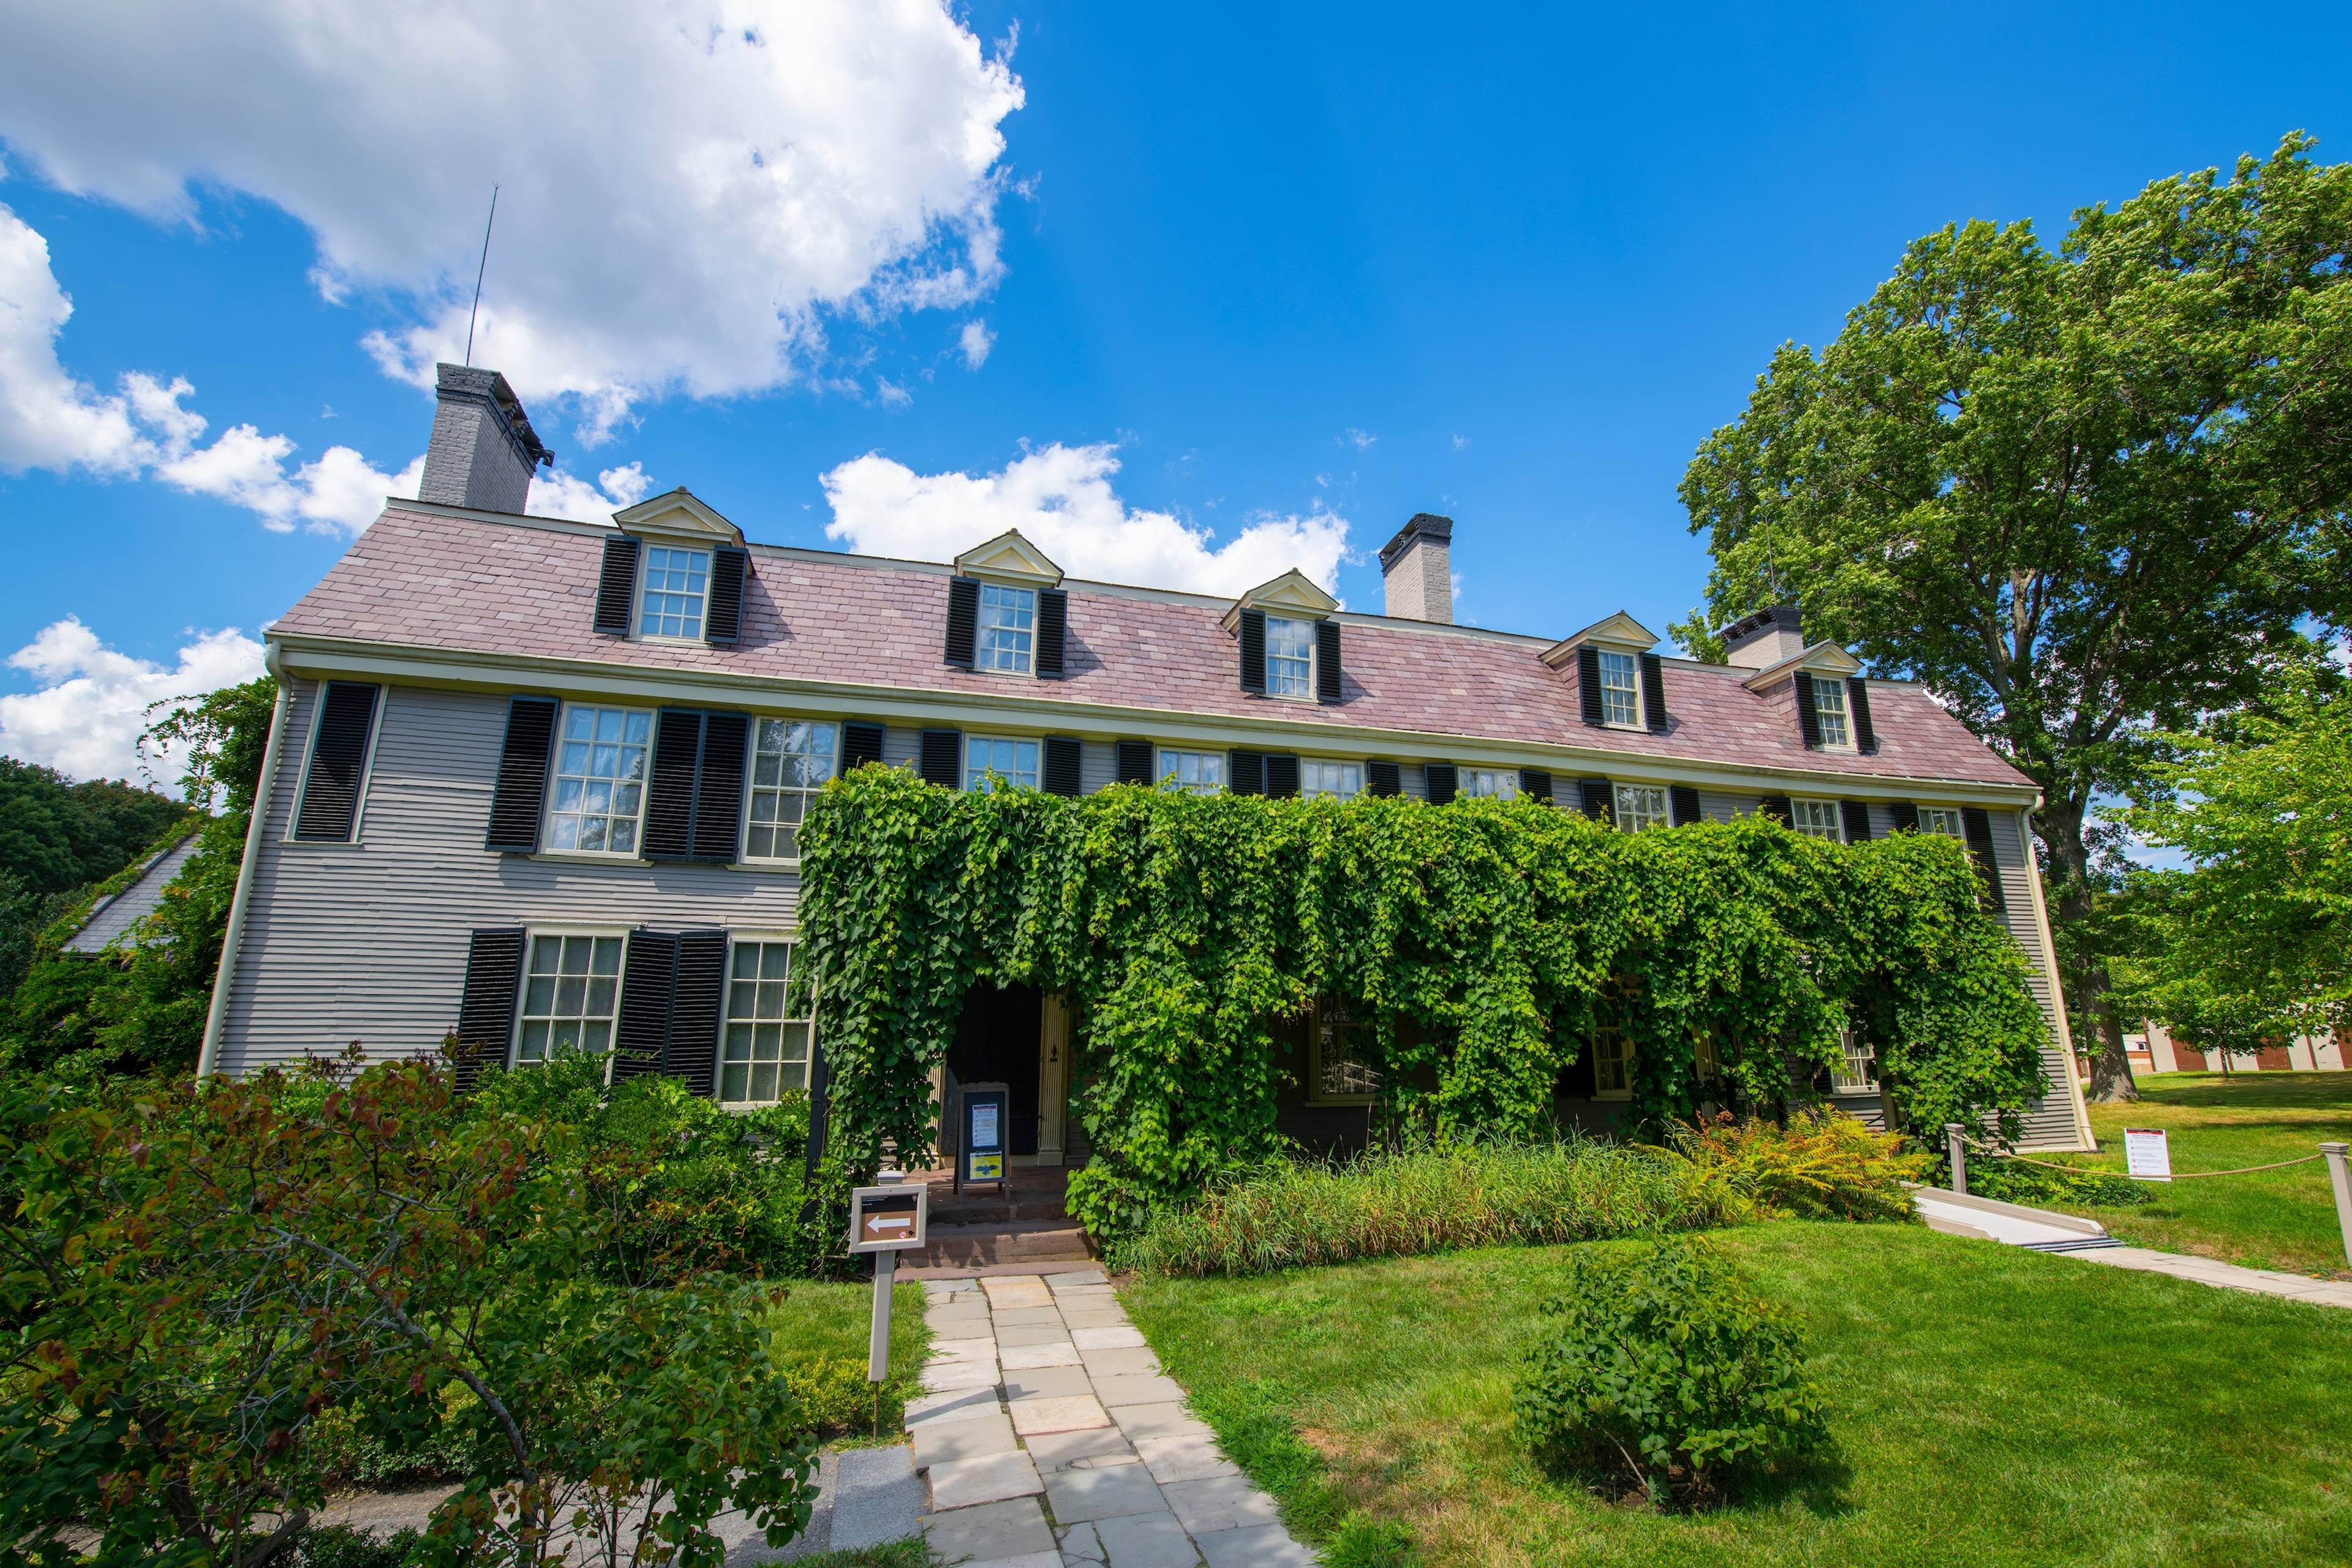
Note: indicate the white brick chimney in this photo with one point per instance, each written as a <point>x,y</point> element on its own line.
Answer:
<point>483,451</point>
<point>1417,567</point>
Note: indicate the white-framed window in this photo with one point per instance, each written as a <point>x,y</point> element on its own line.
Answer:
<point>1943,819</point>
<point>571,994</point>
<point>1289,656</point>
<point>1335,1074</point>
<point>1013,762</point>
<point>790,761</point>
<point>1195,773</point>
<point>1488,784</point>
<point>1857,1068</point>
<point>1621,690</point>
<point>600,780</point>
<point>1828,712</point>
<point>1642,805</point>
<point>764,1049</point>
<point>671,587</point>
<point>1008,628</point>
<point>1817,819</point>
<point>1340,780</point>
<point>1613,1064</point>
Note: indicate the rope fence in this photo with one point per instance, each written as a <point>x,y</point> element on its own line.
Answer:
<point>2338,1156</point>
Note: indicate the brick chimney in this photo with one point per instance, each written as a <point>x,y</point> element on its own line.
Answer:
<point>1763,639</point>
<point>1417,567</point>
<point>483,451</point>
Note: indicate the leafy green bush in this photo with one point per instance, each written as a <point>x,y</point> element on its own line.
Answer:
<point>1661,1368</point>
<point>1820,1165</point>
<point>1282,1215</point>
<point>353,1451</point>
<point>2017,1182</point>
<point>340,1546</point>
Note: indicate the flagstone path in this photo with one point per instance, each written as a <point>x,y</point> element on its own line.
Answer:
<point>1050,1438</point>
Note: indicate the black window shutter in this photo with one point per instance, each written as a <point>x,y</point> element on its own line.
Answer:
<point>1253,651</point>
<point>1062,759</point>
<point>722,616</point>
<point>1588,685</point>
<point>1857,700</point>
<point>1327,661</point>
<point>1599,799</point>
<point>521,788</point>
<point>1135,763</point>
<point>485,1010</point>
<point>1535,783</point>
<point>718,792</point>
<point>1382,779</point>
<point>1281,775</point>
<point>942,758</point>
<point>963,620</point>
<point>860,744</point>
<point>1053,632</point>
<point>616,586</point>
<point>1246,772</point>
<point>1779,807</point>
<point>1906,816</point>
<point>1442,779</point>
<point>1979,825</point>
<point>1857,821</point>
<point>692,1053</point>
<point>1809,718</point>
<point>338,746</point>
<point>1653,692</point>
<point>669,793</point>
<point>648,979</point>
<point>1684,802</point>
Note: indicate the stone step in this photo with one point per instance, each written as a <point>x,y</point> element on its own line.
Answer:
<point>1019,1241</point>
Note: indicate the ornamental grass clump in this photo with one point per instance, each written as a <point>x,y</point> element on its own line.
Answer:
<point>1660,1371</point>
<point>1284,1214</point>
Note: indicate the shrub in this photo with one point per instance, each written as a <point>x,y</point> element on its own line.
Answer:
<point>1822,1165</point>
<point>340,1546</point>
<point>2017,1182</point>
<point>1282,1215</point>
<point>1660,1368</point>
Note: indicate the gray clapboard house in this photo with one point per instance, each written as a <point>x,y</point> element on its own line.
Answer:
<point>538,782</point>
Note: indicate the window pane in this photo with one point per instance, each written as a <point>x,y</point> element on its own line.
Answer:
<point>1196,772</point>
<point>1829,707</point>
<point>790,760</point>
<point>1620,701</point>
<point>597,798</point>
<point>670,599</point>
<point>1008,618</point>
<point>1341,781</point>
<point>570,995</point>
<point>1640,806</point>
<point>1015,762</point>
<point>1488,784</point>
<point>1289,656</point>
<point>1818,819</point>
<point>758,1035</point>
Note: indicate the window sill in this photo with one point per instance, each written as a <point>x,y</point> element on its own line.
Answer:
<point>588,857</point>
<point>1347,1102</point>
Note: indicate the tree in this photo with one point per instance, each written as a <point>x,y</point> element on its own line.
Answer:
<point>58,838</point>
<point>2252,944</point>
<point>2081,495</point>
<point>191,1274</point>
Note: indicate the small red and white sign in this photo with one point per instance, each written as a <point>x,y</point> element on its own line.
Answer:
<point>2147,1156</point>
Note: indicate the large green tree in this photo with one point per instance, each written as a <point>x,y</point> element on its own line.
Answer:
<point>2083,495</point>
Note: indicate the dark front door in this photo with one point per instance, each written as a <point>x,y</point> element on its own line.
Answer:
<point>996,1041</point>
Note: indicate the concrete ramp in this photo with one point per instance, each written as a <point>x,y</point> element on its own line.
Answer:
<point>2011,1224</point>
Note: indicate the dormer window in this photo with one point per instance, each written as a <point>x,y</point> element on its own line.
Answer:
<point>675,583</point>
<point>1008,628</point>
<point>1621,690</point>
<point>1829,713</point>
<point>1289,656</point>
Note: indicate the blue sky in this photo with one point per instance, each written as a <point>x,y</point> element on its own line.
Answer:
<point>1316,269</point>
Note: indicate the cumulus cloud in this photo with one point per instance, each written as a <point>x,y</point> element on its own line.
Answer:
<point>559,494</point>
<point>1061,500</point>
<point>689,187</point>
<point>90,705</point>
<point>975,341</point>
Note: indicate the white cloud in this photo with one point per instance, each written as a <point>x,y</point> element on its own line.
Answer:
<point>687,185</point>
<point>1360,440</point>
<point>1061,500</point>
<point>559,494</point>
<point>91,706</point>
<point>975,341</point>
<point>47,419</point>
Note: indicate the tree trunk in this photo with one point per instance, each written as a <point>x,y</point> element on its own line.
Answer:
<point>2085,978</point>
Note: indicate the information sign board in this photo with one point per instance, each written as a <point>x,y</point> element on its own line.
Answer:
<point>889,1219</point>
<point>2147,1155</point>
<point>986,1119</point>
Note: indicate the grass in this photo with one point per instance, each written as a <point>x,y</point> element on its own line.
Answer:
<point>1428,1200</point>
<point>909,1553</point>
<point>2275,1219</point>
<point>1990,1406</point>
<point>820,1335</point>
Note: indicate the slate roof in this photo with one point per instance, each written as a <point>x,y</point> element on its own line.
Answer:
<point>426,579</point>
<point>112,918</point>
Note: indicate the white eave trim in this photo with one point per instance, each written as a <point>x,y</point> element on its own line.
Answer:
<point>1822,658</point>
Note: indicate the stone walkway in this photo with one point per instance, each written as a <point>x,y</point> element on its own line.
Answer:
<point>2228,1276</point>
<point>1051,1439</point>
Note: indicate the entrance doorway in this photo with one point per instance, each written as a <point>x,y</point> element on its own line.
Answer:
<point>996,1041</point>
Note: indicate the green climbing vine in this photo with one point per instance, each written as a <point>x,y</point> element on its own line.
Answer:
<point>1483,942</point>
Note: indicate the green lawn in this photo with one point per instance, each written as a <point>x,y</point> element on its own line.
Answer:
<point>821,1333</point>
<point>1990,1406</point>
<point>2275,1219</point>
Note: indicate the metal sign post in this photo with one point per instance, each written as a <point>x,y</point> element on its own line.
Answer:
<point>886,1221</point>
